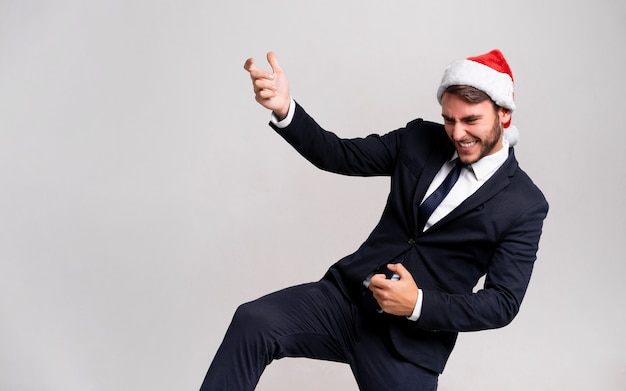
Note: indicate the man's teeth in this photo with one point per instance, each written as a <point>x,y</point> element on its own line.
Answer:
<point>468,144</point>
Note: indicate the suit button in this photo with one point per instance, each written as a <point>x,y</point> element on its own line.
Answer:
<point>411,241</point>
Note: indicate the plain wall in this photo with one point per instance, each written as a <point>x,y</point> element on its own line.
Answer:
<point>143,196</point>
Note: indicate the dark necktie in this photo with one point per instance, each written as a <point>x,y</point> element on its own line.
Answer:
<point>430,204</point>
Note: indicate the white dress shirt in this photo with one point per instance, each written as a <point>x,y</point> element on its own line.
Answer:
<point>472,177</point>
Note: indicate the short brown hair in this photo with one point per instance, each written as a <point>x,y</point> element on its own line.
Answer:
<point>469,94</point>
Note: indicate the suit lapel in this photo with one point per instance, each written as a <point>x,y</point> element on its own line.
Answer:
<point>495,184</point>
<point>433,165</point>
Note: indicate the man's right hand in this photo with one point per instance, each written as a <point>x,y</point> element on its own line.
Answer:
<point>270,89</point>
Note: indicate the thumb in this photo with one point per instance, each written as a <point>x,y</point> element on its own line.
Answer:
<point>400,269</point>
<point>271,58</point>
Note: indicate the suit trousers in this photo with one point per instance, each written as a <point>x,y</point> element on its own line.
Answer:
<point>316,321</point>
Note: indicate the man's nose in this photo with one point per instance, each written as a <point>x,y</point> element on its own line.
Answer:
<point>458,131</point>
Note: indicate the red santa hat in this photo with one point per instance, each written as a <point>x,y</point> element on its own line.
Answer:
<point>489,73</point>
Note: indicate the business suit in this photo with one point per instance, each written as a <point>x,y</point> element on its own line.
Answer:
<point>495,232</point>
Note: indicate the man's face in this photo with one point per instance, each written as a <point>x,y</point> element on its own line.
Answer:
<point>475,129</point>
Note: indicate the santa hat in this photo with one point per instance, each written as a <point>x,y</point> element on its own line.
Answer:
<point>489,73</point>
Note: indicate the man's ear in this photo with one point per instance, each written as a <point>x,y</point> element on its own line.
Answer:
<point>505,116</point>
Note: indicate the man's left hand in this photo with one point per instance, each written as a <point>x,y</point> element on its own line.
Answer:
<point>395,297</point>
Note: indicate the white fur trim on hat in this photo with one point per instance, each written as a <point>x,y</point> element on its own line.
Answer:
<point>511,134</point>
<point>498,85</point>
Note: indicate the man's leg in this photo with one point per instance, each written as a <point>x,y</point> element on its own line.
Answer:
<point>311,320</point>
<point>378,367</point>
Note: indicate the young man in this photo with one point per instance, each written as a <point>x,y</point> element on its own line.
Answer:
<point>459,208</point>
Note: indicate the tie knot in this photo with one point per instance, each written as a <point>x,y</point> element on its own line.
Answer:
<point>430,204</point>
<point>458,163</point>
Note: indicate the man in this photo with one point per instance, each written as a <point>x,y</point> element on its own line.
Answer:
<point>459,208</point>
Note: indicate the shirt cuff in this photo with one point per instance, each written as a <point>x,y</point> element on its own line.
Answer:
<point>417,311</point>
<point>287,120</point>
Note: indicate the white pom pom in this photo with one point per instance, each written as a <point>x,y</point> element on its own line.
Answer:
<point>511,134</point>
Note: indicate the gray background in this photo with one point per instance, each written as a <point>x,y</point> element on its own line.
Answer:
<point>143,197</point>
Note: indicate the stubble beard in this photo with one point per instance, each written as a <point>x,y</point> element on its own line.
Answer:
<point>489,144</point>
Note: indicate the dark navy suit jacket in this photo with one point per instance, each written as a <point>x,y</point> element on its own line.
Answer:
<point>495,232</point>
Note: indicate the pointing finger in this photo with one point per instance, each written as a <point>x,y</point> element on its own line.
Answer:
<point>256,73</point>
<point>249,65</point>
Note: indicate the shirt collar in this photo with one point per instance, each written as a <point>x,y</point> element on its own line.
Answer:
<point>487,164</point>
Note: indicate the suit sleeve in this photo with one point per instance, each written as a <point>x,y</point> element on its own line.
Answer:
<point>506,281</point>
<point>373,155</point>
